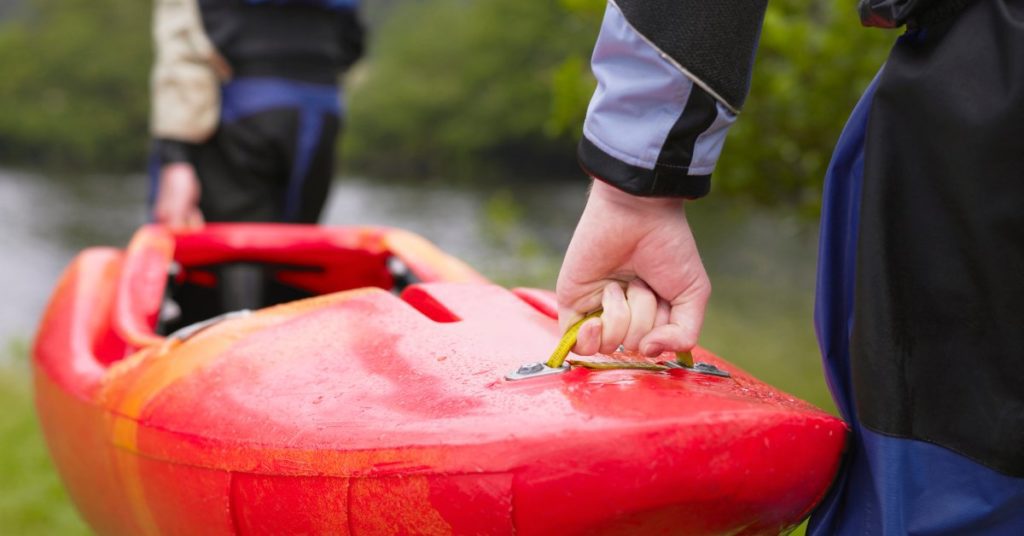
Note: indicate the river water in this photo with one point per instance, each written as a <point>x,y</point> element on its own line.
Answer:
<point>761,261</point>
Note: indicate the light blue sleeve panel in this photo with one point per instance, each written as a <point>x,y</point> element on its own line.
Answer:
<point>639,94</point>
<point>651,128</point>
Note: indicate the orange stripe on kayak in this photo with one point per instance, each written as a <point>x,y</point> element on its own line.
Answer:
<point>162,368</point>
<point>175,360</point>
<point>123,432</point>
<point>422,256</point>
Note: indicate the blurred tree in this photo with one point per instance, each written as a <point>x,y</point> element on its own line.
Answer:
<point>73,92</point>
<point>453,85</point>
<point>452,88</point>
<point>572,84</point>
<point>813,63</point>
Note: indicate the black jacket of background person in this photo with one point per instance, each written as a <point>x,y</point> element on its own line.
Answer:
<point>294,40</point>
<point>299,40</point>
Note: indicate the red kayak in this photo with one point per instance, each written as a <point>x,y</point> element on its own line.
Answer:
<point>380,402</point>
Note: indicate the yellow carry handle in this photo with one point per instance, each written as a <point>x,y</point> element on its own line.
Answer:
<point>568,340</point>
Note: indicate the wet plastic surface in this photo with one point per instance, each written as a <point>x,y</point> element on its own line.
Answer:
<point>362,412</point>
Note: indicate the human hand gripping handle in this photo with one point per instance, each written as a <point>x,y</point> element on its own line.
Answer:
<point>177,198</point>
<point>636,259</point>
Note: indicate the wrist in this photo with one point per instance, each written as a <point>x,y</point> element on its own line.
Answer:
<point>606,193</point>
<point>176,167</point>
<point>178,180</point>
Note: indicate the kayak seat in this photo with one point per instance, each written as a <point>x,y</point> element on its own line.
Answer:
<point>171,280</point>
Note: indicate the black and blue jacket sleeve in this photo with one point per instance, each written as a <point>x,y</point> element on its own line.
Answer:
<point>672,76</point>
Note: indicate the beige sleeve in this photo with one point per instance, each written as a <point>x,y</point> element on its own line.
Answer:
<point>186,76</point>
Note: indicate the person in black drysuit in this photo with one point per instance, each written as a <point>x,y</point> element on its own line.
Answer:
<point>269,154</point>
<point>920,298</point>
<point>246,112</point>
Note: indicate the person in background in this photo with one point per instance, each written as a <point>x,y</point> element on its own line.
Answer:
<point>246,111</point>
<point>920,300</point>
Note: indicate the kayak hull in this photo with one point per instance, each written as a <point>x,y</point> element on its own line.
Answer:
<point>360,411</point>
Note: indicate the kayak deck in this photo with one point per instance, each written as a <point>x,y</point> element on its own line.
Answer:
<point>366,412</point>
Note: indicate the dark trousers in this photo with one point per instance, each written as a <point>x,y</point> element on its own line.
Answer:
<point>272,156</point>
<point>271,160</point>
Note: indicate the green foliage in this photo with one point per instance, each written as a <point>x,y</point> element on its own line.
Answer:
<point>593,8</point>
<point>74,85</point>
<point>453,84</point>
<point>813,63</point>
<point>571,88</point>
<point>572,84</point>
<point>502,225</point>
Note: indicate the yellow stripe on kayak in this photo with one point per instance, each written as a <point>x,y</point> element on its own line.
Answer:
<point>162,368</point>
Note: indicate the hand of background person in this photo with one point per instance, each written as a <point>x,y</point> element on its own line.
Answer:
<point>177,198</point>
<point>636,258</point>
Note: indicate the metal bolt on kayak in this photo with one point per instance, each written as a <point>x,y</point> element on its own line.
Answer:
<point>531,368</point>
<point>534,370</point>
<point>703,368</point>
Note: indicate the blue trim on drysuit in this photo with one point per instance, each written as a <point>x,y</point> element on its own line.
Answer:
<point>245,97</point>
<point>888,485</point>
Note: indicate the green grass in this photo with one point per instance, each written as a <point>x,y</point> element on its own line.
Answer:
<point>32,499</point>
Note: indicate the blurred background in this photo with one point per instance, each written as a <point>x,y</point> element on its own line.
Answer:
<point>462,125</point>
